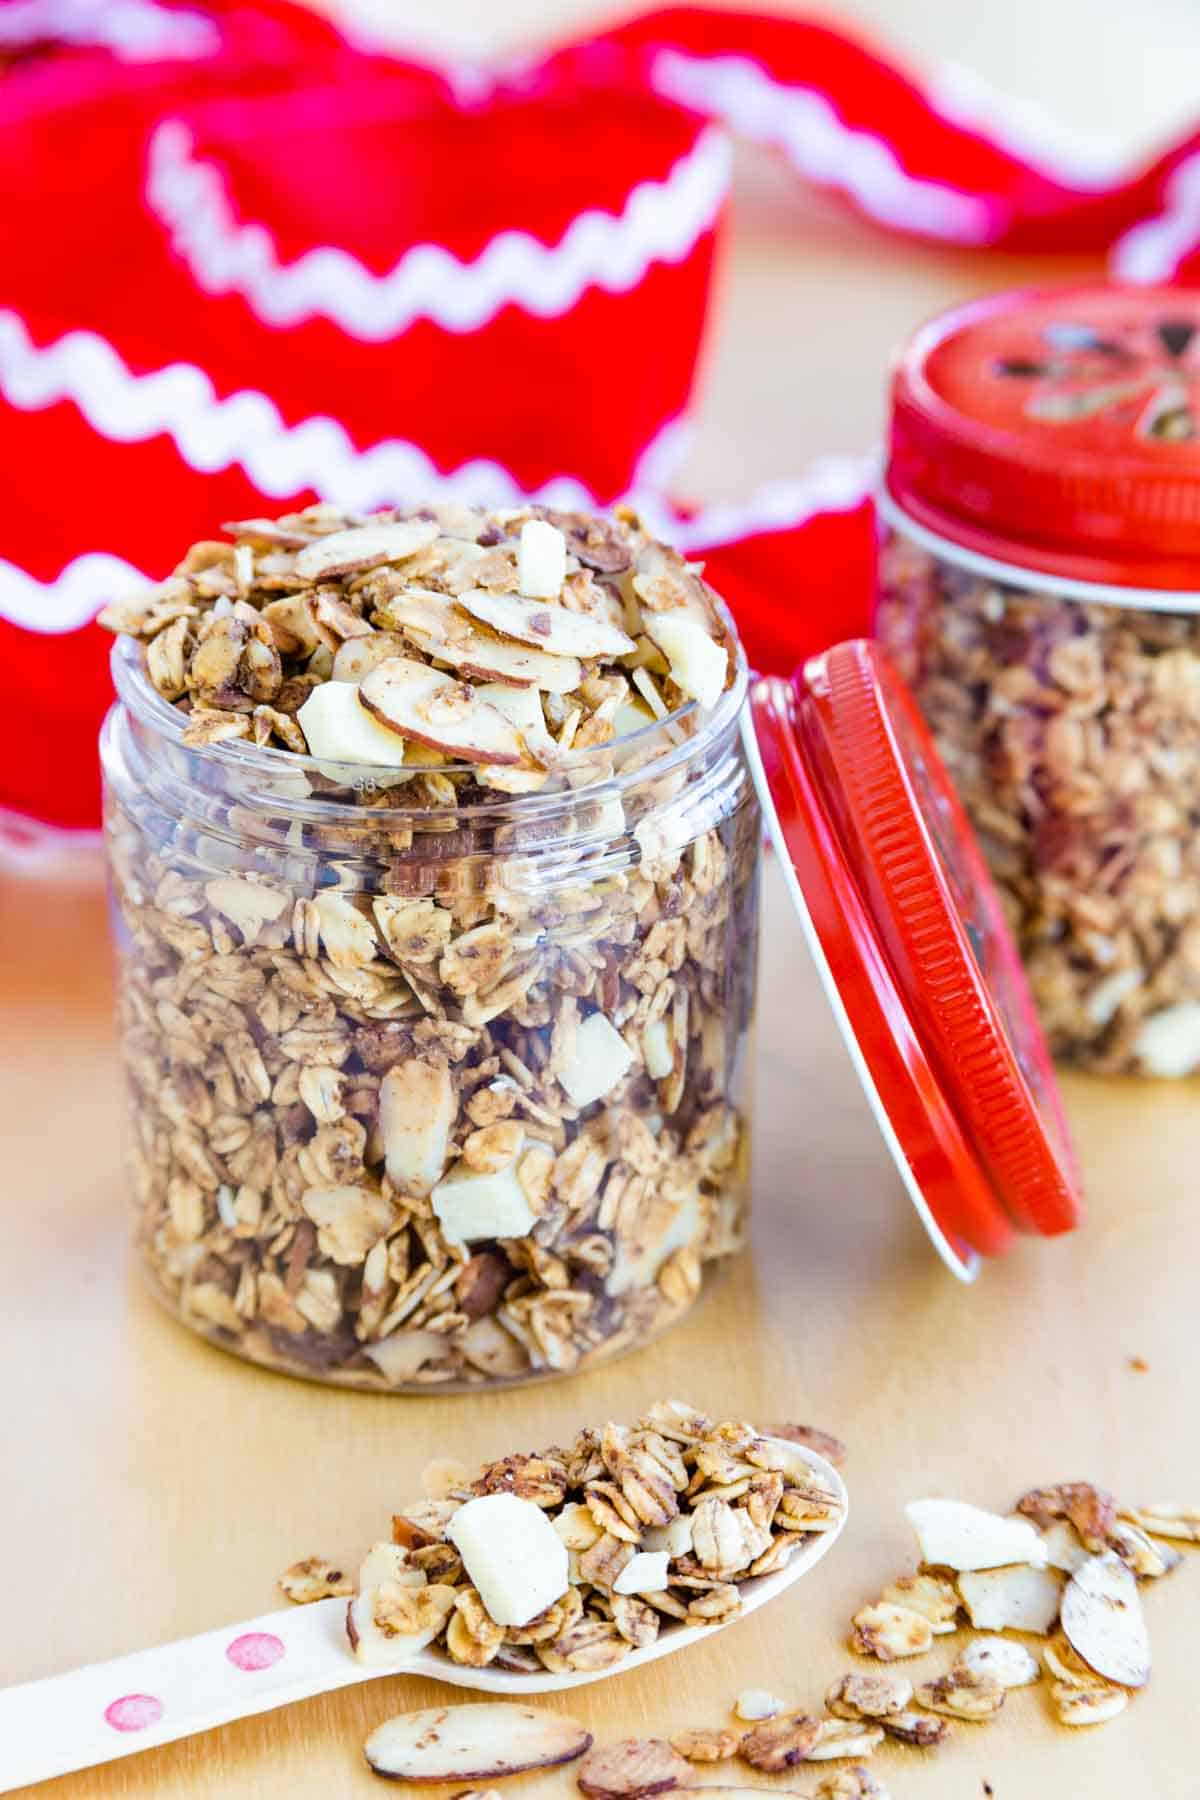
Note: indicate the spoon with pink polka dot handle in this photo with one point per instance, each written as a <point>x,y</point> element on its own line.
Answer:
<point>112,1709</point>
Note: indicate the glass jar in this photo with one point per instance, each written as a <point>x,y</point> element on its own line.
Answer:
<point>1039,569</point>
<point>333,1002</point>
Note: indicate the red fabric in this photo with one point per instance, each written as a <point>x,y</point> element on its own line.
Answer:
<point>248,261</point>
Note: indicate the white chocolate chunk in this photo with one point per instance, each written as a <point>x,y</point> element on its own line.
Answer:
<point>363,546</point>
<point>336,726</point>
<point>675,1538</point>
<point>513,1555</point>
<point>953,1535</point>
<point>473,1206</point>
<point>541,560</point>
<point>644,1573</point>
<point>386,1561</point>
<point>1168,1042</point>
<point>417,1109</point>
<point>523,706</point>
<point>1016,1599</point>
<point>699,666</point>
<point>632,716</point>
<point>601,1059</point>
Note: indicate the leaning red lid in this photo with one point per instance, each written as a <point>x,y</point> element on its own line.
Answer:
<point>1058,430</point>
<point>916,958</point>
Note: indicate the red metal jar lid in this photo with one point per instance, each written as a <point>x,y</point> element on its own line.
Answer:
<point>914,952</point>
<point>1058,430</point>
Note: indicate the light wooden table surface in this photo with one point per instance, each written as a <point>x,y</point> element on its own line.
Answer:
<point>152,1487</point>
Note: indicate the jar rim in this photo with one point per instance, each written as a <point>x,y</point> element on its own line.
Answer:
<point>1026,576</point>
<point>239,758</point>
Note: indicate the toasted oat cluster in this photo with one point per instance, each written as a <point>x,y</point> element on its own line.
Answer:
<point>1072,732</point>
<point>421,1095</point>
<point>506,641</point>
<point>569,1559</point>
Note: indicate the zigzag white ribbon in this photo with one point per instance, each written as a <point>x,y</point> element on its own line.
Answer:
<point>661,222</point>
<point>803,124</point>
<point>134,30</point>
<point>1152,251</point>
<point>246,429</point>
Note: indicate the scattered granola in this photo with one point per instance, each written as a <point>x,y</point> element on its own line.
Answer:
<point>782,1742</point>
<point>435,1068</point>
<point>888,1632</point>
<point>707,1745</point>
<point>314,1579</point>
<point>963,1694</point>
<point>569,1559</point>
<point>868,1696</point>
<point>1071,733</point>
<point>857,1783</point>
<point>633,1767</point>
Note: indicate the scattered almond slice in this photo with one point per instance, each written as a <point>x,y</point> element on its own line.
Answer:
<point>363,547</point>
<point>954,1535</point>
<point>699,666</point>
<point>1102,1620</point>
<point>1066,1665</point>
<point>545,626</point>
<point>474,1743</point>
<point>1014,1599</point>
<point>1148,1560</point>
<point>316,1578</point>
<point>889,1632</point>
<point>868,1696</point>
<point>338,728</point>
<point>1087,1706</point>
<point>435,625</point>
<point>935,1597</point>
<point>1168,1520</point>
<point>245,904</point>
<point>541,560</point>
<point>845,1738</point>
<point>433,709</point>
<point>755,1704</point>
<point>1000,1659</point>
<point>634,1767</point>
<point>962,1695</point>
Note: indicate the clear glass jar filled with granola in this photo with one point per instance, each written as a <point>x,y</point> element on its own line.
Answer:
<point>1039,589</point>
<point>435,862</point>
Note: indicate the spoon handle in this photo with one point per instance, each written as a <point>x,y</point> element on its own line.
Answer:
<point>112,1709</point>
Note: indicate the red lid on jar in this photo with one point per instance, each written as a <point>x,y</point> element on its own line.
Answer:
<point>917,961</point>
<point>1059,430</point>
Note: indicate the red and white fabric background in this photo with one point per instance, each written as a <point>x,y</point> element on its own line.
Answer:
<point>247,261</point>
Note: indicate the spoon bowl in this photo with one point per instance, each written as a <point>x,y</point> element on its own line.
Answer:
<point>112,1709</point>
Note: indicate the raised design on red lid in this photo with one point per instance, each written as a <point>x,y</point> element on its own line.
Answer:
<point>1058,430</point>
<point>910,933</point>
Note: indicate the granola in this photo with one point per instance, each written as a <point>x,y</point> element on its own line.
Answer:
<point>603,1543</point>
<point>1071,732</point>
<point>437,904</point>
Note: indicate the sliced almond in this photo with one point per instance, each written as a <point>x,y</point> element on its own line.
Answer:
<point>338,728</point>
<point>935,1597</point>
<point>245,904</point>
<point>1000,1659</point>
<point>845,1738</point>
<point>474,1743</point>
<point>1017,1599</point>
<point>433,709</point>
<point>633,1767</point>
<point>889,1632</point>
<point>1066,1665</point>
<point>1148,1560</point>
<point>962,1695</point>
<point>1168,1520</point>
<point>1087,1706</point>
<point>868,1696</point>
<point>1102,1620</point>
<point>954,1535</point>
<point>363,547</point>
<point>417,1109</point>
<point>435,625</point>
<point>545,626</point>
<point>354,660</point>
